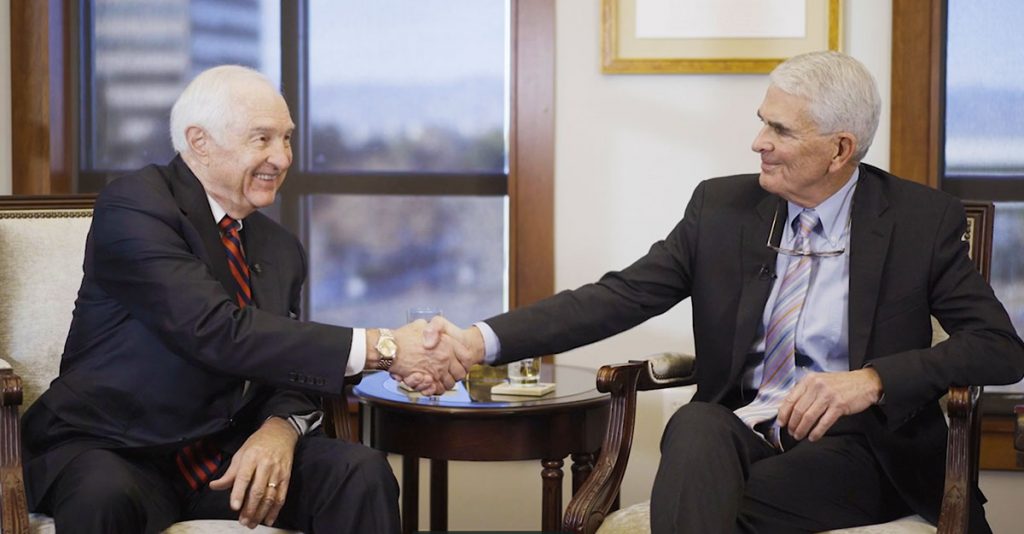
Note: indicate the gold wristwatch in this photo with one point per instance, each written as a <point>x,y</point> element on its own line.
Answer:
<point>387,348</point>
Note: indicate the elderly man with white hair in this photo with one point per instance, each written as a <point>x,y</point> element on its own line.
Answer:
<point>812,285</point>
<point>188,389</point>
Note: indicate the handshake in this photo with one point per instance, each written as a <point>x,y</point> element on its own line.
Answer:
<point>432,356</point>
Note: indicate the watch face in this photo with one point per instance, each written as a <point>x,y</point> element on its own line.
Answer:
<point>387,347</point>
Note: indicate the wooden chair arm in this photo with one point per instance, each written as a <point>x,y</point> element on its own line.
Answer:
<point>337,417</point>
<point>13,505</point>
<point>599,493</point>
<point>961,458</point>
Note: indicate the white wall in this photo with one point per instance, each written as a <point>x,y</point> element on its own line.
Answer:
<point>5,98</point>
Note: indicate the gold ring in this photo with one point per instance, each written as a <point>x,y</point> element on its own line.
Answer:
<point>271,485</point>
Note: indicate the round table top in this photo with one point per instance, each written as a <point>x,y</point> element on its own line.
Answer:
<point>573,386</point>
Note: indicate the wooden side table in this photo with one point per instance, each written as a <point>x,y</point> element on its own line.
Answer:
<point>471,424</point>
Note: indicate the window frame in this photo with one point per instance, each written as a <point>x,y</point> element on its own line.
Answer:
<point>47,100</point>
<point>916,153</point>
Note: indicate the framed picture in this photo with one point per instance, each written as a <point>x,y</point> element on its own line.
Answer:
<point>713,36</point>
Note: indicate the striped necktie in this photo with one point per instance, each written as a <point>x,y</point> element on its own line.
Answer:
<point>779,372</point>
<point>232,242</point>
<point>198,461</point>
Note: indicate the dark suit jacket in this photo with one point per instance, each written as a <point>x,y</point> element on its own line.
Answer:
<point>158,350</point>
<point>907,262</point>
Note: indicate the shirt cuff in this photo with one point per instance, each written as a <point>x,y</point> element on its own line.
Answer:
<point>357,355</point>
<point>492,345</point>
<point>305,423</point>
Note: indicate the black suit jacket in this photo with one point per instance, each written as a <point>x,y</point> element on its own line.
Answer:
<point>158,350</point>
<point>907,262</point>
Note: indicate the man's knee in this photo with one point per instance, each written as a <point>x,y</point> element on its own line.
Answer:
<point>370,464</point>
<point>697,422</point>
<point>99,488</point>
<point>338,463</point>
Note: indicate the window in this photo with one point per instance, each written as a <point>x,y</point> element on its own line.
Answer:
<point>984,130</point>
<point>424,133</point>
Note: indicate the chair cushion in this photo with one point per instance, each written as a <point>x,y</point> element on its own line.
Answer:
<point>42,524</point>
<point>40,272</point>
<point>636,520</point>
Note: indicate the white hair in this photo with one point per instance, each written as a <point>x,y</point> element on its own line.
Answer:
<point>842,94</point>
<point>210,101</point>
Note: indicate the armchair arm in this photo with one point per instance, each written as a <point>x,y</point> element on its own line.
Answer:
<point>337,418</point>
<point>600,492</point>
<point>13,505</point>
<point>961,458</point>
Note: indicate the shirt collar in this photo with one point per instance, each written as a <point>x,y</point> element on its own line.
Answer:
<point>834,212</point>
<point>219,212</point>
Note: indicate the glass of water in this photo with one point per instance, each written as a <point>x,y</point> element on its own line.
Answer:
<point>422,312</point>
<point>524,372</point>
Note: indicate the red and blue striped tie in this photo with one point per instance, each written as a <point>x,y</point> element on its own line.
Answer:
<point>198,461</point>
<point>232,242</point>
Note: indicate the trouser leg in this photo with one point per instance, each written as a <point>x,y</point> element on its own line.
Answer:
<point>706,454</point>
<point>103,491</point>
<point>832,483</point>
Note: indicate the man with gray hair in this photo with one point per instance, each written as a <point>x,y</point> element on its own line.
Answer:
<point>188,389</point>
<point>812,287</point>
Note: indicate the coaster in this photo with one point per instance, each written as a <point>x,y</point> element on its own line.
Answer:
<point>534,390</point>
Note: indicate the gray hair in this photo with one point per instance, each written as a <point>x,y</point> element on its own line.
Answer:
<point>210,101</point>
<point>842,94</point>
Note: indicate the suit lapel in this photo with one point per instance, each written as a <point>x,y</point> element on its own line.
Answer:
<point>261,266</point>
<point>870,233</point>
<point>757,262</point>
<point>192,201</point>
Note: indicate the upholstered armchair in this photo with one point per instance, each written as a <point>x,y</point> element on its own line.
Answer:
<point>592,509</point>
<point>42,245</point>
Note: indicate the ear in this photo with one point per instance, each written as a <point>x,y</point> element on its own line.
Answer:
<point>198,142</point>
<point>845,145</point>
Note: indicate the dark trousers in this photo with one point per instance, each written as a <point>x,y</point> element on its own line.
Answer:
<point>716,475</point>
<point>335,487</point>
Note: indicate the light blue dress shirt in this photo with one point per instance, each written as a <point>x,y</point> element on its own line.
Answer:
<point>822,331</point>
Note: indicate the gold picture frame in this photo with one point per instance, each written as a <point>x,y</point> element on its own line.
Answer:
<point>623,53</point>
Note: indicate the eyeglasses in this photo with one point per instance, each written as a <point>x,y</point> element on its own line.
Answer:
<point>808,252</point>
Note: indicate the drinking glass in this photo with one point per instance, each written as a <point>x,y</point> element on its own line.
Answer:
<point>524,372</point>
<point>422,312</point>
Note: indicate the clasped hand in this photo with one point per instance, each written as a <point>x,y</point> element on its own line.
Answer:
<point>433,356</point>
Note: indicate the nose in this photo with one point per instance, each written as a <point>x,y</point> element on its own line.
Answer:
<point>280,156</point>
<point>761,143</point>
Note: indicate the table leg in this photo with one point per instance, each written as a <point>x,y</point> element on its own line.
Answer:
<point>582,466</point>
<point>551,513</point>
<point>439,495</point>
<point>410,494</point>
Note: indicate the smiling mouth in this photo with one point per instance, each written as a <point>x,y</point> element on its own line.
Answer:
<point>265,177</point>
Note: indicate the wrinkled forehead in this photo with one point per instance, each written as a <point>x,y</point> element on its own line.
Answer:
<point>260,105</point>
<point>781,106</point>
